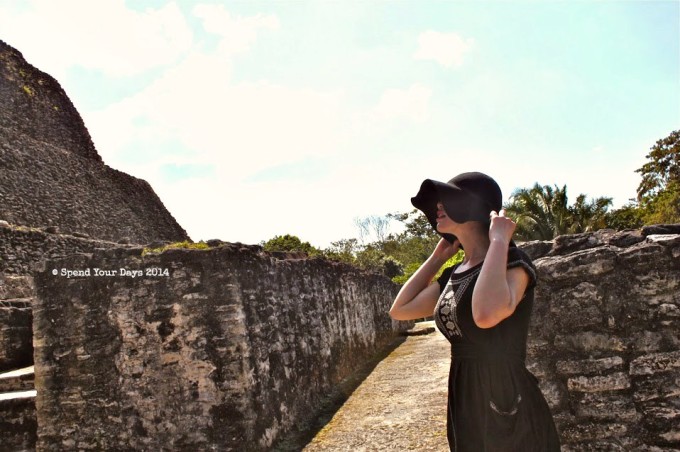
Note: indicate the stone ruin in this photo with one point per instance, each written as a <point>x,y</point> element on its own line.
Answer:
<point>51,173</point>
<point>227,348</point>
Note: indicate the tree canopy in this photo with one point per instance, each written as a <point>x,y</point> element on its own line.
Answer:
<point>542,212</point>
<point>658,194</point>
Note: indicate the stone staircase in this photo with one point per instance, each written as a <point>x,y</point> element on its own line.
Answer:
<point>18,424</point>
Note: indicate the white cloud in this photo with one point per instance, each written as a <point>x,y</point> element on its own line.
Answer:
<point>196,104</point>
<point>237,33</point>
<point>446,49</point>
<point>102,36</point>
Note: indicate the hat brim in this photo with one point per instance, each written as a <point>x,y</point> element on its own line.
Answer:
<point>431,192</point>
<point>459,205</point>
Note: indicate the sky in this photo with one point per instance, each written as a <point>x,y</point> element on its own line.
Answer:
<point>252,119</point>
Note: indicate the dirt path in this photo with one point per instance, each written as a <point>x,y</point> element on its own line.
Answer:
<point>400,406</point>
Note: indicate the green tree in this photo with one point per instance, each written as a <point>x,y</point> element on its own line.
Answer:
<point>586,216</point>
<point>659,191</point>
<point>542,212</point>
<point>344,250</point>
<point>630,216</point>
<point>289,243</point>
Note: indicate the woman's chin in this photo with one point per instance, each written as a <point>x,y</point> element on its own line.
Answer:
<point>443,229</point>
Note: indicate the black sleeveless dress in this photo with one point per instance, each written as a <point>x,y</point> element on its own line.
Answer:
<point>494,402</point>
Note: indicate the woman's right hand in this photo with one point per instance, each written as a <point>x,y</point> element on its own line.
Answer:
<point>446,250</point>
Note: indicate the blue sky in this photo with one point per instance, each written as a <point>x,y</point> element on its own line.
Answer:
<point>252,119</point>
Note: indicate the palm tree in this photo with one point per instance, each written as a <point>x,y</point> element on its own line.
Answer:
<point>542,212</point>
<point>589,216</point>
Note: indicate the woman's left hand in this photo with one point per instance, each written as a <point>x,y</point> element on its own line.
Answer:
<point>502,227</point>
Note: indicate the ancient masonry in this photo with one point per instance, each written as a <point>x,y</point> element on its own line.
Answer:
<point>223,348</point>
<point>51,173</point>
<point>605,337</point>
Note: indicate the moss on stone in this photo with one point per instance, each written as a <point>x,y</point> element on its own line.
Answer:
<point>184,244</point>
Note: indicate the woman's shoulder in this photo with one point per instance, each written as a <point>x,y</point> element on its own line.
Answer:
<point>518,258</point>
<point>517,254</point>
<point>445,276</point>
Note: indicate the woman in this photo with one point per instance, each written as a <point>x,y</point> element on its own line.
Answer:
<point>482,306</point>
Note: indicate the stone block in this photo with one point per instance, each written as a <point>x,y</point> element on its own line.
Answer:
<point>12,287</point>
<point>18,422</point>
<point>664,239</point>
<point>643,256</point>
<point>536,249</point>
<point>661,417</point>
<point>577,308</point>
<point>589,366</point>
<point>661,229</point>
<point>655,363</point>
<point>598,383</point>
<point>658,386</point>
<point>602,406</point>
<point>586,265</point>
<point>17,380</point>
<point>646,341</point>
<point>591,431</point>
<point>590,343</point>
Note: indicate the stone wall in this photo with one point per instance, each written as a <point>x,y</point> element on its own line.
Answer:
<point>16,333</point>
<point>605,338</point>
<point>218,349</point>
<point>23,249</point>
<point>52,174</point>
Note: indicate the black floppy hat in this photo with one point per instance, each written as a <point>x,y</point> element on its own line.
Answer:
<point>467,197</point>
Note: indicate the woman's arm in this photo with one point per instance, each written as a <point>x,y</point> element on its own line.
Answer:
<point>498,290</point>
<point>417,297</point>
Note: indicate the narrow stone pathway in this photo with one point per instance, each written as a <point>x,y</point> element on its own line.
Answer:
<point>400,406</point>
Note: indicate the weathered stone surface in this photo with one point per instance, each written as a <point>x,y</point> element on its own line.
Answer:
<point>17,380</point>
<point>589,366</point>
<point>52,174</point>
<point>590,342</point>
<point>642,256</point>
<point>661,229</point>
<point>597,383</point>
<point>577,307</point>
<point>15,287</point>
<point>17,424</point>
<point>586,265</point>
<point>611,338</point>
<point>659,417</point>
<point>537,248</point>
<point>593,431</point>
<point>656,362</point>
<point>661,386</point>
<point>616,406</point>
<point>227,351</point>
<point>646,341</point>
<point>626,238</point>
<point>16,341</point>
<point>570,243</point>
<point>665,239</point>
